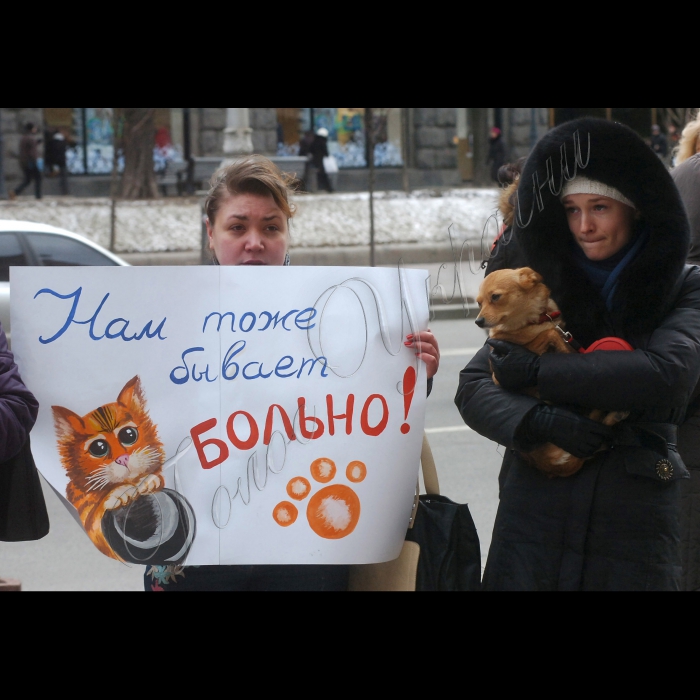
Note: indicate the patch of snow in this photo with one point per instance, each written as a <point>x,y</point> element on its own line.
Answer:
<point>151,226</point>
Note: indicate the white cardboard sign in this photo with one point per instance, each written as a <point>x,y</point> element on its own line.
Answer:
<point>227,415</point>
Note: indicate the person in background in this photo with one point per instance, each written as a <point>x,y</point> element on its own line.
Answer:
<point>659,144</point>
<point>497,152</point>
<point>689,143</point>
<point>248,213</point>
<point>29,161</point>
<point>319,151</point>
<point>305,150</point>
<point>18,407</point>
<point>505,253</point>
<point>55,157</point>
<point>686,175</point>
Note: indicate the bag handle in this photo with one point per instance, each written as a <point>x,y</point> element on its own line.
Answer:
<point>430,476</point>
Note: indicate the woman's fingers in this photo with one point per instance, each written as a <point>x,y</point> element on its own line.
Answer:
<point>426,346</point>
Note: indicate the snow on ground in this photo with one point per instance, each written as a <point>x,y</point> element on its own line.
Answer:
<point>322,220</point>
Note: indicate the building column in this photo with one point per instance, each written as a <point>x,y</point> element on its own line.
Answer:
<point>238,136</point>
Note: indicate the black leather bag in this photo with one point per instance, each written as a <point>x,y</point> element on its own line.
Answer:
<point>441,551</point>
<point>23,515</point>
<point>450,554</point>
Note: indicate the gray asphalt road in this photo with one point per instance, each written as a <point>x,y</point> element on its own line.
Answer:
<point>467,463</point>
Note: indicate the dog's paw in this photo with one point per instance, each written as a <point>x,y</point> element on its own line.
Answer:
<point>554,462</point>
<point>615,417</point>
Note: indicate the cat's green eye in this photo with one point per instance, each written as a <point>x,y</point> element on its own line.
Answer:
<point>128,436</point>
<point>99,448</point>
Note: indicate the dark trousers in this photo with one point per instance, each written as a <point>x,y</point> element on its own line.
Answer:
<point>31,173</point>
<point>247,578</point>
<point>324,182</point>
<point>63,175</point>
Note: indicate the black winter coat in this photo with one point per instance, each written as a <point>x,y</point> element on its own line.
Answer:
<point>615,524</point>
<point>687,179</point>
<point>319,151</point>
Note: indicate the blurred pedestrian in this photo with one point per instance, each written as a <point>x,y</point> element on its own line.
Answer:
<point>305,150</point>
<point>319,151</point>
<point>690,141</point>
<point>29,161</point>
<point>687,179</point>
<point>55,157</point>
<point>659,144</point>
<point>497,152</point>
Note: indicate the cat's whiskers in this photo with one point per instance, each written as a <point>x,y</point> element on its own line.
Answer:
<point>100,478</point>
<point>146,458</point>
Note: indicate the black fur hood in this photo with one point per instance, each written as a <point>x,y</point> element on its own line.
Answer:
<point>615,155</point>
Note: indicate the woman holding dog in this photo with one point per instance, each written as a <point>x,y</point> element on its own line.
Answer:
<point>609,236</point>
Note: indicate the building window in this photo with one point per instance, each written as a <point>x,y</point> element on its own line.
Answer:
<point>90,135</point>
<point>347,130</point>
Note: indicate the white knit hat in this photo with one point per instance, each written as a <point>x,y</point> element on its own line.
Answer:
<point>582,185</point>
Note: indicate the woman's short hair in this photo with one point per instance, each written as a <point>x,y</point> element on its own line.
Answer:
<point>690,141</point>
<point>251,175</point>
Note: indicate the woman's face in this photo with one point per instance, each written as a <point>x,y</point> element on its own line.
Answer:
<point>250,229</point>
<point>601,226</point>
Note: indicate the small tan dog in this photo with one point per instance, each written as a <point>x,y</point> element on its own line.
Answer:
<point>516,306</point>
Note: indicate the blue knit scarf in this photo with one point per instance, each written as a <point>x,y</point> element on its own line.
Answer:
<point>605,274</point>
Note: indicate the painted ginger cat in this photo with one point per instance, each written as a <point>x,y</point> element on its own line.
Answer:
<point>112,456</point>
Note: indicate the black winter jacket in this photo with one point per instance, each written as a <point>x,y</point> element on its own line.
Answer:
<point>615,524</point>
<point>687,179</point>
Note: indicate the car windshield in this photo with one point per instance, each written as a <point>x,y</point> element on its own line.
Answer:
<point>55,250</point>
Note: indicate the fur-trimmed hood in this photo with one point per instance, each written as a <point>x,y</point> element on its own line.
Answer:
<point>615,155</point>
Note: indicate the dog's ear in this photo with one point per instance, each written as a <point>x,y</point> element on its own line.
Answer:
<point>528,279</point>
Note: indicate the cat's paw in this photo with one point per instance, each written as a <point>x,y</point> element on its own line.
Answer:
<point>150,484</point>
<point>120,497</point>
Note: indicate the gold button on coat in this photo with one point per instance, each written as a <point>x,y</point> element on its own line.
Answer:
<point>664,469</point>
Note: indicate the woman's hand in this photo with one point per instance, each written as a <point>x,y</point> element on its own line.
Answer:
<point>427,349</point>
<point>514,366</point>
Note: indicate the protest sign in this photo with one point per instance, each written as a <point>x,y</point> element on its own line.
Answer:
<point>227,415</point>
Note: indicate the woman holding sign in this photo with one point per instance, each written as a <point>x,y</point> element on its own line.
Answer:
<point>248,214</point>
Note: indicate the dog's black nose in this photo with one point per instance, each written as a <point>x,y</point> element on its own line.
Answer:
<point>481,322</point>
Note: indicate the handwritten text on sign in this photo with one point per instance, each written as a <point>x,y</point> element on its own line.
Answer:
<point>226,415</point>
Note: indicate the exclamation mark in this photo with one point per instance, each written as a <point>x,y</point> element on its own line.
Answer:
<point>409,385</point>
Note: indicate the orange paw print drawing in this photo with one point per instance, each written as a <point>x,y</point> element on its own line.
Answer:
<point>334,511</point>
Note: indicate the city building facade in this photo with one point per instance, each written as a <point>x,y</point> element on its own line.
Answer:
<point>416,147</point>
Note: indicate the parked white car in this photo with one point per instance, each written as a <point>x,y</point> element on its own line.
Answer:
<point>38,245</point>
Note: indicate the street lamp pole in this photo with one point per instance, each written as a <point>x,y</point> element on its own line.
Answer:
<point>3,188</point>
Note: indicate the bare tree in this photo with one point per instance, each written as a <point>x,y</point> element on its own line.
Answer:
<point>138,138</point>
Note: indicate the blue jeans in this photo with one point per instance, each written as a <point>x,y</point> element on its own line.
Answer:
<point>31,172</point>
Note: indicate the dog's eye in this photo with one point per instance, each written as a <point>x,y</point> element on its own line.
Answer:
<point>495,297</point>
